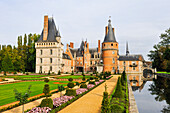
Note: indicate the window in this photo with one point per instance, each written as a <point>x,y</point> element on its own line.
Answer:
<point>134,83</point>
<point>113,60</point>
<point>116,44</point>
<point>111,44</point>
<point>50,68</point>
<point>133,78</point>
<point>91,62</point>
<point>95,62</point>
<point>124,62</point>
<point>41,52</point>
<point>133,68</point>
<point>104,44</point>
<point>77,63</point>
<point>71,67</point>
<point>80,62</point>
<point>40,68</point>
<point>113,69</point>
<point>51,51</point>
<point>113,52</point>
<point>51,60</point>
<point>96,56</point>
<point>40,60</point>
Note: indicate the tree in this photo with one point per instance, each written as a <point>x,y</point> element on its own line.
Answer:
<point>46,80</point>
<point>7,64</point>
<point>22,97</point>
<point>46,90</point>
<point>105,103</point>
<point>60,89</point>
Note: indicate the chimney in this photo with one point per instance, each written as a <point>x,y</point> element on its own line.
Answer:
<point>98,46</point>
<point>71,44</point>
<point>106,30</point>
<point>67,45</point>
<point>87,47</point>
<point>45,32</point>
<point>113,30</point>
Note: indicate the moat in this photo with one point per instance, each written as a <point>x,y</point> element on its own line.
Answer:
<point>151,96</point>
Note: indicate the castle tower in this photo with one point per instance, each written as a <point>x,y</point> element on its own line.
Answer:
<point>110,50</point>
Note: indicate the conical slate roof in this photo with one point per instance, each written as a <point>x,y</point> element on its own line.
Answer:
<point>110,37</point>
<point>52,32</point>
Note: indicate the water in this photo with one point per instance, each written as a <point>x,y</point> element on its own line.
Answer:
<point>151,96</point>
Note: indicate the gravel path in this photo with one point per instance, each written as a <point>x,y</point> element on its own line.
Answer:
<point>91,102</point>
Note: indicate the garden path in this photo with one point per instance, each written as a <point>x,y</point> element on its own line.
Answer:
<point>91,102</point>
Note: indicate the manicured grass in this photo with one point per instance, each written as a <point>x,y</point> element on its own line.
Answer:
<point>163,72</point>
<point>25,76</point>
<point>7,93</point>
<point>74,77</point>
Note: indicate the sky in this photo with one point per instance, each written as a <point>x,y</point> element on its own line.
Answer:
<point>139,22</point>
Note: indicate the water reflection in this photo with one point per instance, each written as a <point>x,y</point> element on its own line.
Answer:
<point>151,95</point>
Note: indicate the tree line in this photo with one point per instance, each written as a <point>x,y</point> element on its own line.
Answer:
<point>160,56</point>
<point>21,58</point>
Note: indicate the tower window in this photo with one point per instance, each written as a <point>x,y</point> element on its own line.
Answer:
<point>104,44</point>
<point>51,60</point>
<point>133,68</point>
<point>51,51</point>
<point>116,44</point>
<point>113,52</point>
<point>40,68</point>
<point>111,44</point>
<point>41,60</point>
<point>50,68</point>
<point>113,60</point>
<point>41,52</point>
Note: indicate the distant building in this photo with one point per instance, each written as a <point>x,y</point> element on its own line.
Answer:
<point>50,55</point>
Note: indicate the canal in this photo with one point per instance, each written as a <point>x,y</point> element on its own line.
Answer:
<point>151,96</point>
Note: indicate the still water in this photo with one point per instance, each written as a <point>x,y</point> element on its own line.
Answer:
<point>151,96</point>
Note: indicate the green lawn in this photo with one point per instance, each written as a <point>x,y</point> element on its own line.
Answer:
<point>74,77</point>
<point>25,76</point>
<point>7,94</point>
<point>163,72</point>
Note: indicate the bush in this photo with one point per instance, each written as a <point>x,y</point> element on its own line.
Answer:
<point>46,80</point>
<point>49,72</point>
<point>72,73</point>
<point>83,85</point>
<point>118,93</point>
<point>91,74</point>
<point>48,102</point>
<point>91,78</point>
<point>92,82</point>
<point>70,79</point>
<point>84,78</point>
<point>46,89</point>
<point>70,84</point>
<point>115,108</point>
<point>105,103</point>
<point>70,92</point>
<point>15,72</point>
<point>59,73</point>
<point>77,83</point>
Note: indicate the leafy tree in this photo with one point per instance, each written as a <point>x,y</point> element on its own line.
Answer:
<point>7,64</point>
<point>22,97</point>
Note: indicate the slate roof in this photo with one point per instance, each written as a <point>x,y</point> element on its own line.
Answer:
<point>52,32</point>
<point>130,58</point>
<point>65,56</point>
<point>110,37</point>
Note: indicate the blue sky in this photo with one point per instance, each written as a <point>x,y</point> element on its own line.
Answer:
<point>140,22</point>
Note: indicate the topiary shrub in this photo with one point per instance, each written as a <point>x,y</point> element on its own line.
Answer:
<point>70,79</point>
<point>59,73</point>
<point>105,103</point>
<point>27,73</point>
<point>72,73</point>
<point>91,74</point>
<point>92,82</point>
<point>70,92</point>
<point>46,80</point>
<point>115,108</point>
<point>83,85</point>
<point>49,72</point>
<point>77,83</point>
<point>47,103</point>
<point>70,84</point>
<point>46,90</point>
<point>118,93</point>
<point>91,78</point>
<point>84,78</point>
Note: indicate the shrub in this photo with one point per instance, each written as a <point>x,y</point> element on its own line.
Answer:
<point>70,79</point>
<point>118,93</point>
<point>52,72</point>
<point>91,74</point>
<point>27,73</point>
<point>46,80</point>
<point>83,85</point>
<point>70,85</point>
<point>15,72</point>
<point>48,102</point>
<point>77,83</point>
<point>115,108</point>
<point>84,78</point>
<point>70,92</point>
<point>49,72</point>
<point>46,89</point>
<point>59,73</point>
<point>105,103</point>
<point>72,73</point>
<point>92,82</point>
<point>91,78</point>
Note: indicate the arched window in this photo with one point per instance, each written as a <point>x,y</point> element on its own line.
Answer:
<point>51,51</point>
<point>51,60</point>
<point>41,52</point>
<point>40,60</point>
<point>40,68</point>
<point>50,68</point>
<point>113,61</point>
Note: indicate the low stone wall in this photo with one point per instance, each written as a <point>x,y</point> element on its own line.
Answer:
<point>132,103</point>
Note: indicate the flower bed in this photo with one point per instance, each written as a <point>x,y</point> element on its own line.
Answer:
<point>61,100</point>
<point>108,77</point>
<point>40,110</point>
<point>89,86</point>
<point>80,91</point>
<point>97,83</point>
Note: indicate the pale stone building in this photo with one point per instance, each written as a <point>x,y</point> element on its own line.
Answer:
<point>49,49</point>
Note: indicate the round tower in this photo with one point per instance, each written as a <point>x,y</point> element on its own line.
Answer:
<point>110,50</point>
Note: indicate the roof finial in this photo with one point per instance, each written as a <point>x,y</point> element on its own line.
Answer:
<point>109,19</point>
<point>127,49</point>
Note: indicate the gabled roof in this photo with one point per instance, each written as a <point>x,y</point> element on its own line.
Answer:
<point>65,56</point>
<point>110,36</point>
<point>52,32</point>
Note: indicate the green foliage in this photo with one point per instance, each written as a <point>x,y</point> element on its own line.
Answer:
<point>7,65</point>
<point>92,82</point>
<point>115,108</point>
<point>84,78</point>
<point>27,73</point>
<point>77,83</point>
<point>46,80</point>
<point>49,72</point>
<point>48,102</point>
<point>70,92</point>
<point>70,79</point>
<point>105,103</point>
<point>59,73</point>
<point>118,93</point>
<point>91,78</point>
<point>70,84</point>
<point>72,73</point>
<point>46,89</point>
<point>83,85</point>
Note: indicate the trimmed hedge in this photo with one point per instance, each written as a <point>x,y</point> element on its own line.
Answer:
<point>47,103</point>
<point>70,84</point>
<point>70,92</point>
<point>83,85</point>
<point>92,82</point>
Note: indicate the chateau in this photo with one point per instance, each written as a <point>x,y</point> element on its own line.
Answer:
<point>50,55</point>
